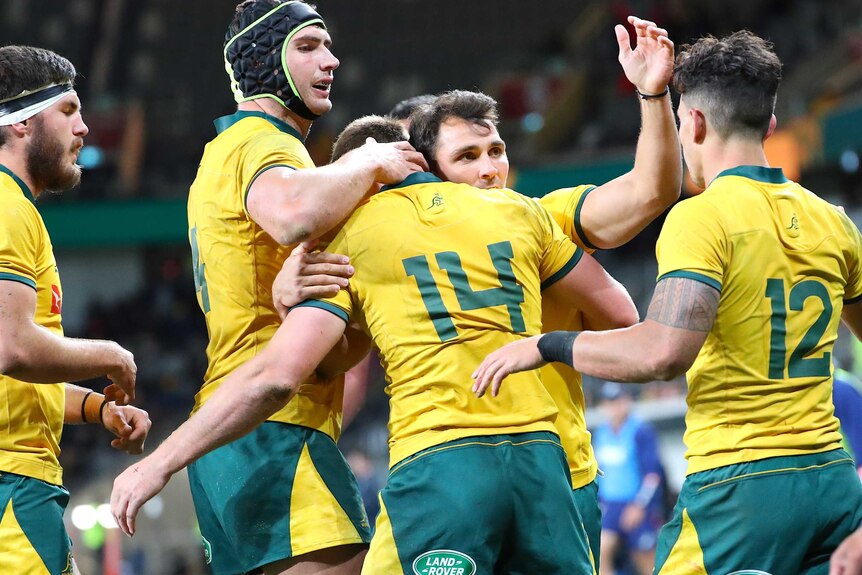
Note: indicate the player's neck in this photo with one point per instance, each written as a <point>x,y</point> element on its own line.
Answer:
<point>273,108</point>
<point>16,162</point>
<point>726,155</point>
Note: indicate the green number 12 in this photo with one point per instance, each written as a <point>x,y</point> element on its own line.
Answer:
<point>509,293</point>
<point>799,365</point>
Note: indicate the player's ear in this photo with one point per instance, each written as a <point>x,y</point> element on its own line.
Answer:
<point>773,122</point>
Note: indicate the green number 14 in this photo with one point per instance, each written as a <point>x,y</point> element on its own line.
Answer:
<point>509,293</point>
<point>799,365</point>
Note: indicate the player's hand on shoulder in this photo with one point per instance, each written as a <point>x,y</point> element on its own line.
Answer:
<point>308,274</point>
<point>392,161</point>
<point>122,373</point>
<point>518,356</point>
<point>130,424</point>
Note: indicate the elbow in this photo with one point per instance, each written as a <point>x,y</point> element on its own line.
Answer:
<point>13,359</point>
<point>667,364</point>
<point>292,228</point>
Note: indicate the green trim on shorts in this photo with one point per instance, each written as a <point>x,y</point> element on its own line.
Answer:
<point>587,502</point>
<point>38,507</point>
<point>776,515</point>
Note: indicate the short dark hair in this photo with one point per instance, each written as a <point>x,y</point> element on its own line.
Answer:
<point>29,68</point>
<point>403,109</point>
<point>733,79</point>
<point>236,23</point>
<point>425,121</point>
<point>383,130</point>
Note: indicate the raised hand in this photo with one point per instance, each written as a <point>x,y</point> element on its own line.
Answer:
<point>650,65</point>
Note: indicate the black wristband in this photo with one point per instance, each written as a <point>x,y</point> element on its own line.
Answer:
<point>84,407</point>
<point>557,346</point>
<point>102,410</point>
<point>651,96</point>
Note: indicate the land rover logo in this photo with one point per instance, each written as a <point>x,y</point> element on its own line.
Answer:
<point>208,551</point>
<point>444,562</point>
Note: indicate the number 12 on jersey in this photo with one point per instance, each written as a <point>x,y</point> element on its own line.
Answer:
<point>799,365</point>
<point>509,293</point>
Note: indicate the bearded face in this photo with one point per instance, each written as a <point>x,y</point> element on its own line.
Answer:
<point>51,161</point>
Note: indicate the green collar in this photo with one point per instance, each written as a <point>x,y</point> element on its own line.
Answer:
<point>24,189</point>
<point>759,173</point>
<point>413,179</point>
<point>225,122</point>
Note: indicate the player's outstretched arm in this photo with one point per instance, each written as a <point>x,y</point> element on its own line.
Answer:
<point>847,559</point>
<point>603,301</point>
<point>617,211</point>
<point>31,353</point>
<point>129,424</point>
<point>664,346</point>
<point>251,394</point>
<point>298,205</point>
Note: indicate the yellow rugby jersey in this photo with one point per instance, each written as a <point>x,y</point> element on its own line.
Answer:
<point>235,261</point>
<point>31,421</point>
<point>564,383</point>
<point>445,274</point>
<point>784,261</point>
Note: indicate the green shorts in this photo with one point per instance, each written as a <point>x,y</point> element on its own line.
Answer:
<point>33,538</point>
<point>587,502</point>
<point>480,505</point>
<point>776,516</point>
<point>281,491</point>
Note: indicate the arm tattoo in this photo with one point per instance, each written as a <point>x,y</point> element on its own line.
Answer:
<point>684,303</point>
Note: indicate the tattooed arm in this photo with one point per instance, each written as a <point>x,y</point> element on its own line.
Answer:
<point>664,346</point>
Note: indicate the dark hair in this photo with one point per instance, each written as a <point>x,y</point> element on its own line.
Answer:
<point>733,79</point>
<point>425,121</point>
<point>235,24</point>
<point>28,68</point>
<point>403,109</point>
<point>383,130</point>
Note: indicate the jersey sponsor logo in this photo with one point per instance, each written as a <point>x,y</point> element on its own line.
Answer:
<point>208,550</point>
<point>749,572</point>
<point>56,300</point>
<point>444,562</point>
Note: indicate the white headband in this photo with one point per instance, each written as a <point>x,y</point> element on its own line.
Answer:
<point>29,103</point>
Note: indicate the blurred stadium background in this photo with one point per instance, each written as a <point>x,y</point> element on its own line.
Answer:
<point>152,80</point>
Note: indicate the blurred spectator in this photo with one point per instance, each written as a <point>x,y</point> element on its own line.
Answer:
<point>370,482</point>
<point>630,491</point>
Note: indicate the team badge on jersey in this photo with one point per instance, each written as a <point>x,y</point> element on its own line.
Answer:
<point>56,299</point>
<point>444,562</point>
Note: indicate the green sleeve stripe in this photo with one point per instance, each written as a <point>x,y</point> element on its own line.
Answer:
<point>257,175</point>
<point>17,278</point>
<point>573,261</point>
<point>331,308</point>
<point>853,300</point>
<point>577,220</point>
<point>704,279</point>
